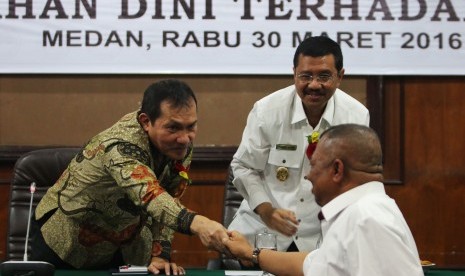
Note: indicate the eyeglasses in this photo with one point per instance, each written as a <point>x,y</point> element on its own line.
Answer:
<point>321,78</point>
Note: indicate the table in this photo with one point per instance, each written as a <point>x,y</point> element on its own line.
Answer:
<point>202,272</point>
<point>189,272</point>
<point>445,272</point>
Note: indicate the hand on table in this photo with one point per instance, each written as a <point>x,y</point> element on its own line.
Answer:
<point>158,265</point>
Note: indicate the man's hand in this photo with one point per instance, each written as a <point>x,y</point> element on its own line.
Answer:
<point>281,220</point>
<point>239,247</point>
<point>211,233</point>
<point>158,264</point>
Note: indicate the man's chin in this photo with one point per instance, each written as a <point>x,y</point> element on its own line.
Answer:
<point>177,154</point>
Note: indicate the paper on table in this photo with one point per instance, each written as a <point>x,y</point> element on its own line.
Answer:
<point>243,273</point>
<point>133,268</point>
<point>130,270</point>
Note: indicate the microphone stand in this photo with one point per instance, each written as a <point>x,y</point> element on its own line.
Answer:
<point>25,267</point>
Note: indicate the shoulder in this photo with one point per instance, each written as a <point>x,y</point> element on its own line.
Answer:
<point>348,109</point>
<point>276,100</point>
<point>125,137</point>
<point>344,99</point>
<point>373,210</point>
<point>127,129</point>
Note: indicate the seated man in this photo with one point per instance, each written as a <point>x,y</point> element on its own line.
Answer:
<point>363,230</point>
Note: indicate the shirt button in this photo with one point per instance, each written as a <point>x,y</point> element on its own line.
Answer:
<point>296,237</point>
<point>284,161</point>
<point>299,220</point>
<point>301,200</point>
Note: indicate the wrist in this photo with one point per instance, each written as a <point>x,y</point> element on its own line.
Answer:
<point>197,223</point>
<point>263,209</point>
<point>255,255</point>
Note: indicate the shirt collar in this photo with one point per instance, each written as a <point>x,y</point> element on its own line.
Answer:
<point>298,112</point>
<point>342,201</point>
<point>328,114</point>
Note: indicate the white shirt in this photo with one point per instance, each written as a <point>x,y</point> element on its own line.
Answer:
<point>279,118</point>
<point>364,234</point>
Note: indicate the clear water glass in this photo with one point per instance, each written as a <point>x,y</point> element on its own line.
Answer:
<point>266,240</point>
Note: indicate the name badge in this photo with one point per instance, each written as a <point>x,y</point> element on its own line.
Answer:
<point>286,147</point>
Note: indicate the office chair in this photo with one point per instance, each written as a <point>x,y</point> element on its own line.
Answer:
<point>43,167</point>
<point>232,201</point>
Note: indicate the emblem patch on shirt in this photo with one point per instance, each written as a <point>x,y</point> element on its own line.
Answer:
<point>282,173</point>
<point>286,147</point>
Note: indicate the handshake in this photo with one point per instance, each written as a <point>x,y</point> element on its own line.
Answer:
<point>211,233</point>
<point>215,236</point>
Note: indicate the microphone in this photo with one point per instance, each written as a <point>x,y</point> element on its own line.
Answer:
<point>25,267</point>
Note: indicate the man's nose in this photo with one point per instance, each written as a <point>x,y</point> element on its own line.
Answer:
<point>184,138</point>
<point>314,83</point>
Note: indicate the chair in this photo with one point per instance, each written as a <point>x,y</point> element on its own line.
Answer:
<point>232,201</point>
<point>43,167</point>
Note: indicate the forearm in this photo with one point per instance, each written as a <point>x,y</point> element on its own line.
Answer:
<point>169,214</point>
<point>282,263</point>
<point>161,249</point>
<point>250,160</point>
<point>197,224</point>
<point>249,183</point>
<point>162,239</point>
<point>263,209</point>
<point>275,262</point>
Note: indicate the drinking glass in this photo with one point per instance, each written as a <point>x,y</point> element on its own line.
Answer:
<point>266,240</point>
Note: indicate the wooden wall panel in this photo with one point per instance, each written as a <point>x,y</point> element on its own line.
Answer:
<point>44,110</point>
<point>206,198</point>
<point>433,193</point>
<point>384,101</point>
<point>5,176</point>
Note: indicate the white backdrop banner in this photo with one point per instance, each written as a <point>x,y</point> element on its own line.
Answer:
<point>378,37</point>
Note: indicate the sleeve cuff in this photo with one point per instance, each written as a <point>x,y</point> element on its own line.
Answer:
<point>259,197</point>
<point>185,219</point>
<point>161,249</point>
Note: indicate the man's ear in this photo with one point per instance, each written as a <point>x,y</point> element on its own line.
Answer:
<point>338,167</point>
<point>144,120</point>
<point>340,75</point>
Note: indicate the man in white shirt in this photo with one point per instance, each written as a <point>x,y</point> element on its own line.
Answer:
<point>363,231</point>
<point>270,164</point>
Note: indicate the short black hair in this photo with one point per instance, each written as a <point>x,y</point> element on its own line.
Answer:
<point>175,91</point>
<point>318,46</point>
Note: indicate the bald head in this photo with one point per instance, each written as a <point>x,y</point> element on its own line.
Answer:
<point>357,146</point>
<point>346,156</point>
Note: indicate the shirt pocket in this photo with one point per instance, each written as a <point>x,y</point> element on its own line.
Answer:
<point>285,158</point>
<point>283,182</point>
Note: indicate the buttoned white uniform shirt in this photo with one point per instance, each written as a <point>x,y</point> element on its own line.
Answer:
<point>364,234</point>
<point>279,118</point>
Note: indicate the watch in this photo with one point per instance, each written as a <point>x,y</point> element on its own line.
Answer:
<point>255,253</point>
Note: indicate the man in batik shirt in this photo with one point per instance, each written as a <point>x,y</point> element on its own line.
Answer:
<point>118,200</point>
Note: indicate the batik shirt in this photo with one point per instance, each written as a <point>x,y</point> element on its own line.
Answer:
<point>110,197</point>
